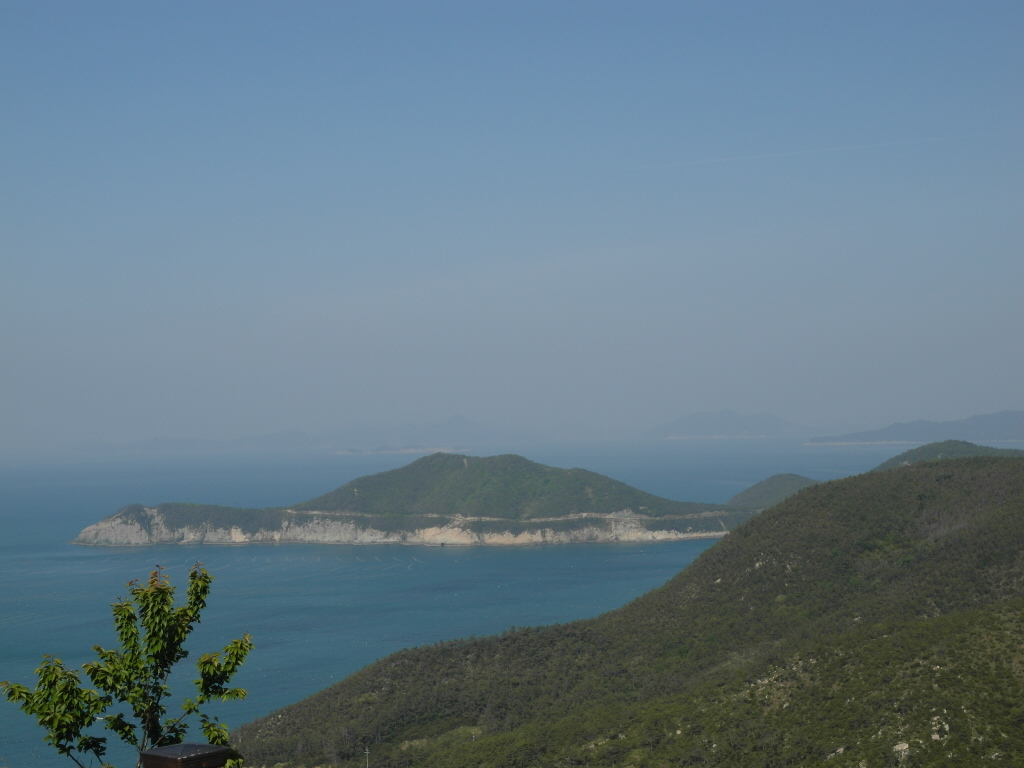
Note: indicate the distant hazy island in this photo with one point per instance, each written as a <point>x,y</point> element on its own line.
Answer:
<point>442,499</point>
<point>1002,427</point>
<point>727,424</point>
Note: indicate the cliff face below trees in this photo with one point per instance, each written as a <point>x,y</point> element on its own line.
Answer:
<point>128,530</point>
<point>443,499</point>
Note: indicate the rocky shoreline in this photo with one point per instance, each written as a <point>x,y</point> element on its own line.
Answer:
<point>126,532</point>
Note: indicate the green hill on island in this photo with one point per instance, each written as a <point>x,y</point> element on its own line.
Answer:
<point>508,487</point>
<point>439,499</point>
<point>872,621</point>
<point>947,449</point>
<point>770,492</point>
<point>778,488</point>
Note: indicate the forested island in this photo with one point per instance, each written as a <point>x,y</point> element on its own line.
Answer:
<point>441,499</point>
<point>450,499</point>
<point>871,621</point>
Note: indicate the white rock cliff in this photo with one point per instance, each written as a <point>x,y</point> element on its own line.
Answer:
<point>621,527</point>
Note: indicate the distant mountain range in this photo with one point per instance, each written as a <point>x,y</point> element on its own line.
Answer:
<point>1005,426</point>
<point>458,433</point>
<point>728,424</point>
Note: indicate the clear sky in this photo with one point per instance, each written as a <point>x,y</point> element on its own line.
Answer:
<point>233,218</point>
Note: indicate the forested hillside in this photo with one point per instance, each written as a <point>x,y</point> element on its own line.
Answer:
<point>770,492</point>
<point>508,487</point>
<point>876,620</point>
<point>947,449</point>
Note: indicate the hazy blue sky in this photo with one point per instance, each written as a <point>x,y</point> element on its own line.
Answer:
<point>232,218</point>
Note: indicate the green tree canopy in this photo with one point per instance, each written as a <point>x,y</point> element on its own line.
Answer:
<point>131,691</point>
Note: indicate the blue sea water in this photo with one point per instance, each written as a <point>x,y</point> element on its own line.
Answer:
<point>318,613</point>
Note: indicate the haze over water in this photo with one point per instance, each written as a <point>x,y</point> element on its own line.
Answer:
<point>575,219</point>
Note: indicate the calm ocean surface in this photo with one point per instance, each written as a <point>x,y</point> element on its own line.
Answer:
<point>318,613</point>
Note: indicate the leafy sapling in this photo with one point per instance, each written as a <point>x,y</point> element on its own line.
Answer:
<point>151,631</point>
